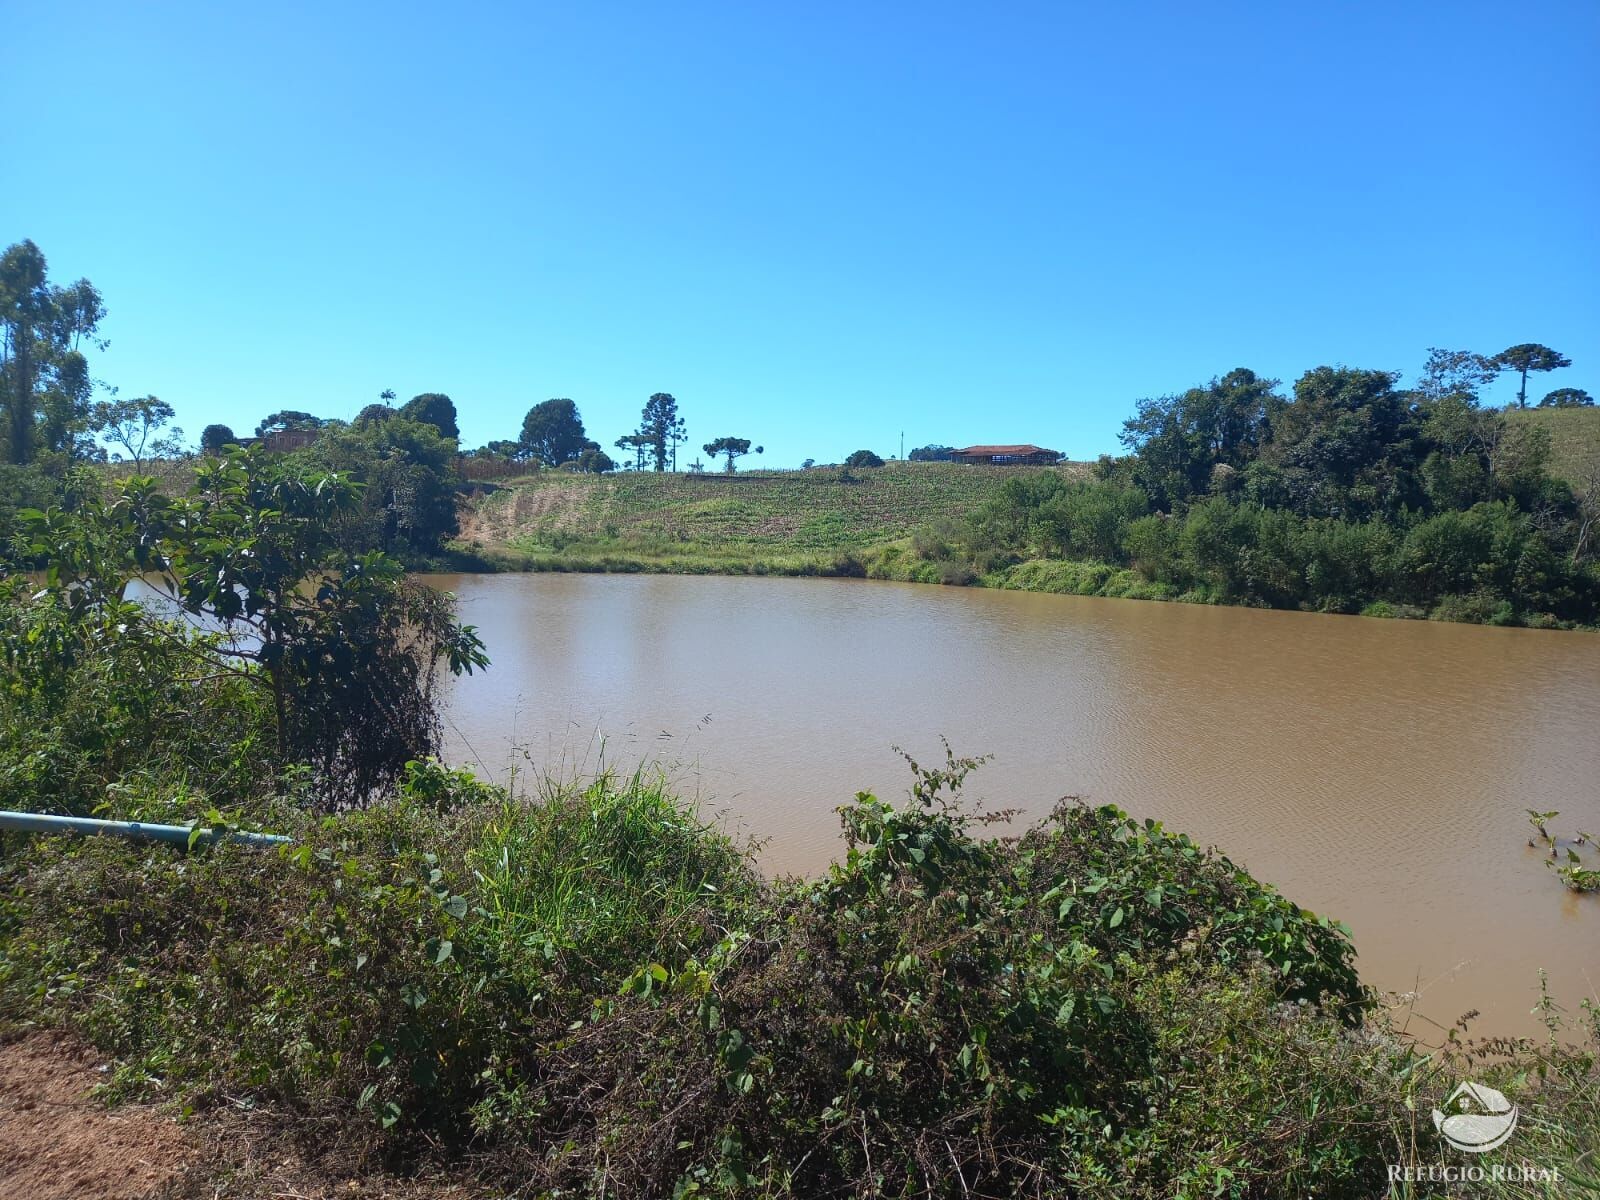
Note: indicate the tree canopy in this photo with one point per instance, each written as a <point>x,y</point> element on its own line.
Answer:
<point>45,387</point>
<point>863,458</point>
<point>1529,356</point>
<point>731,449</point>
<point>662,429</point>
<point>1567,398</point>
<point>553,433</point>
<point>436,409</point>
<point>288,418</point>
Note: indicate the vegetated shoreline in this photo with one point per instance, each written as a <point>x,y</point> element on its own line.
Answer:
<point>893,563</point>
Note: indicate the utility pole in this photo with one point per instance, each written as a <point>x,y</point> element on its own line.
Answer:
<point>902,445</point>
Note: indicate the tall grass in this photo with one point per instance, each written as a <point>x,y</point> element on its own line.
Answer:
<point>606,874</point>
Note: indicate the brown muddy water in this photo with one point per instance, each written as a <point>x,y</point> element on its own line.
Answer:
<point>1377,771</point>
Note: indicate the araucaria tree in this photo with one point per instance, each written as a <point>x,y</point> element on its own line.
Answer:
<point>731,448</point>
<point>1529,356</point>
<point>662,429</point>
<point>44,376</point>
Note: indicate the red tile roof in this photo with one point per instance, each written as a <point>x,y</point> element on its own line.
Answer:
<point>986,451</point>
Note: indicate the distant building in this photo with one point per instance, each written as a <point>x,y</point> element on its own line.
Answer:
<point>1007,456</point>
<point>282,441</point>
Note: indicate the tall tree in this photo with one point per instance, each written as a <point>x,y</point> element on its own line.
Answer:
<point>44,376</point>
<point>731,448</point>
<point>136,425</point>
<point>553,432</point>
<point>662,429</point>
<point>636,444</point>
<point>214,437</point>
<point>436,409</point>
<point>1529,356</point>
<point>1455,373</point>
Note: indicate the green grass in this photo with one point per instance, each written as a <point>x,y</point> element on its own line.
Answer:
<point>1574,438</point>
<point>793,522</point>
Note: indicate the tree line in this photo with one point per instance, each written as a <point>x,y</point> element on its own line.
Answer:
<point>1347,494</point>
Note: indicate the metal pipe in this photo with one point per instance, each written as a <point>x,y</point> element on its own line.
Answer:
<point>178,835</point>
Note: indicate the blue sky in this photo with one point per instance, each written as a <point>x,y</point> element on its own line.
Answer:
<point>817,225</point>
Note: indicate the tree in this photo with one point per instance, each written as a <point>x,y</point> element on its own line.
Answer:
<point>214,437</point>
<point>1455,373</point>
<point>288,418</point>
<point>374,414</point>
<point>863,458</point>
<point>592,460</point>
<point>1567,398</point>
<point>344,649</point>
<point>407,469</point>
<point>132,424</point>
<point>731,448</point>
<point>662,429</point>
<point>1180,440</point>
<point>1529,356</point>
<point>436,409</point>
<point>44,377</point>
<point>930,453</point>
<point>553,432</point>
<point>636,444</point>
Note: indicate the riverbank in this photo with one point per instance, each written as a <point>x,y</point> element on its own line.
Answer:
<point>588,991</point>
<point>899,522</point>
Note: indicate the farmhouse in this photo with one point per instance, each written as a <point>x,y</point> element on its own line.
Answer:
<point>1006,455</point>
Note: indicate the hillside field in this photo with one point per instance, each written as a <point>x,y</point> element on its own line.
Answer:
<point>781,522</point>
<point>1574,438</point>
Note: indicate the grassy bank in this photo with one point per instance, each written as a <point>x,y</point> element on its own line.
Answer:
<point>825,520</point>
<point>590,992</point>
<point>1574,438</point>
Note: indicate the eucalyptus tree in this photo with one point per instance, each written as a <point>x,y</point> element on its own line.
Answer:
<point>44,375</point>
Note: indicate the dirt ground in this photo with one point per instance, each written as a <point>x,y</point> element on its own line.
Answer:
<point>57,1142</point>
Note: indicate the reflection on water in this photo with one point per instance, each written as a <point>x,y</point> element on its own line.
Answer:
<point>1374,770</point>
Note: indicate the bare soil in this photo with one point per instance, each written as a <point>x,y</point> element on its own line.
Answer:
<point>58,1142</point>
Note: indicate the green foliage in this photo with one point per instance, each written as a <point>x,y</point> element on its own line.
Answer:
<point>863,458</point>
<point>45,386</point>
<point>285,419</point>
<point>731,448</point>
<point>406,504</point>
<point>1528,356</point>
<point>552,432</point>
<point>594,991</point>
<point>435,409</point>
<point>214,437</point>
<point>1348,495</point>
<point>1567,398</point>
<point>660,431</point>
<point>342,647</point>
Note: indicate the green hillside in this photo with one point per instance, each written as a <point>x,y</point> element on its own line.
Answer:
<point>760,520</point>
<point>1574,438</point>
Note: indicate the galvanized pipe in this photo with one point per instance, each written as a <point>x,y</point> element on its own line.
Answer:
<point>178,835</point>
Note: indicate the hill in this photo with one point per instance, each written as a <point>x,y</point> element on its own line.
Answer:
<point>1574,438</point>
<point>781,522</point>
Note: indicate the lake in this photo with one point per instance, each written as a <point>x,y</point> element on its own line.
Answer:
<point>1377,771</point>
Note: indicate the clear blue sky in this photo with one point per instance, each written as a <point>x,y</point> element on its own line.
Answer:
<point>816,224</point>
